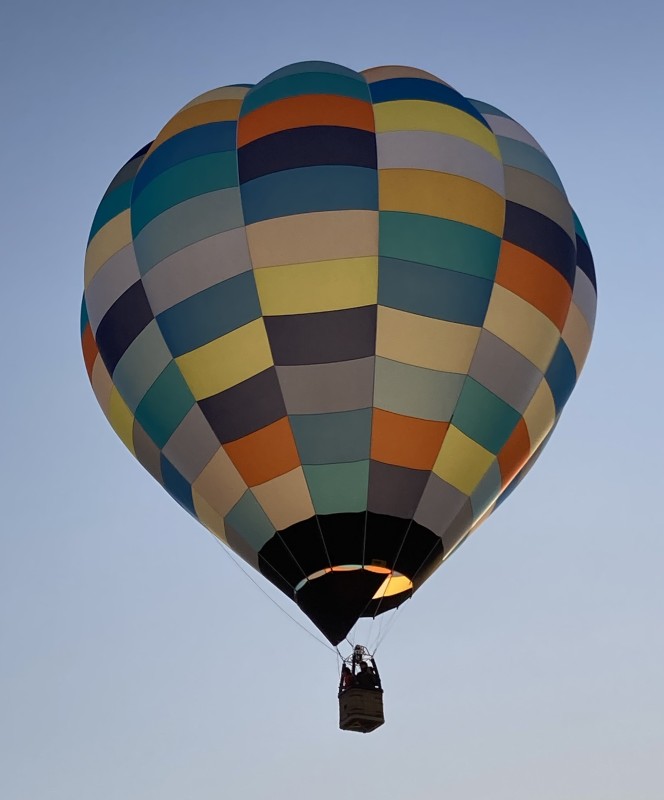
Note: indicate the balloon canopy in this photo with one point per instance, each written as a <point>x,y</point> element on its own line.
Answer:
<point>336,315</point>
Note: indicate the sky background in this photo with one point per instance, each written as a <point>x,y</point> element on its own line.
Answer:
<point>136,661</point>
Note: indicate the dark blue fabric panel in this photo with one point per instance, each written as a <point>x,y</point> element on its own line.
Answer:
<point>215,137</point>
<point>210,314</point>
<point>322,337</point>
<point>585,261</point>
<point>301,191</point>
<point>84,315</point>
<point>422,89</point>
<point>307,147</point>
<point>246,407</point>
<point>542,236</point>
<point>433,292</point>
<point>561,376</point>
<point>122,323</point>
<point>177,486</point>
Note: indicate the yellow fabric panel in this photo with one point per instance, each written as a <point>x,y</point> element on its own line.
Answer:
<point>318,286</point>
<point>539,415</point>
<point>121,419</point>
<point>461,461</point>
<point>226,361</point>
<point>522,326</point>
<point>217,489</point>
<point>577,336</point>
<point>319,236</point>
<point>439,194</point>
<point>108,240</point>
<point>222,93</point>
<point>198,114</point>
<point>102,385</point>
<point>423,115</point>
<point>286,499</point>
<point>425,342</point>
<point>207,515</point>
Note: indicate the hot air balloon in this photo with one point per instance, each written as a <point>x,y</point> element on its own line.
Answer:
<point>336,315</point>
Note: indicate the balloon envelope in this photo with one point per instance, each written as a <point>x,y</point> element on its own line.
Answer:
<point>336,315</point>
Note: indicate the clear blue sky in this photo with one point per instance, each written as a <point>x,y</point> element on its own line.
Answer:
<point>137,661</point>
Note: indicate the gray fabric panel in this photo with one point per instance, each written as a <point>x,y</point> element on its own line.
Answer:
<point>241,546</point>
<point>585,296</point>
<point>335,438</point>
<point>534,192</point>
<point>395,490</point>
<point>109,283</point>
<point>504,371</point>
<point>523,156</point>
<point>439,152</point>
<point>416,391</point>
<point>197,267</point>
<point>321,388</point>
<point>458,528</point>
<point>141,364</point>
<point>147,452</point>
<point>504,126</point>
<point>487,490</point>
<point>192,445</point>
<point>186,223</point>
<point>439,506</point>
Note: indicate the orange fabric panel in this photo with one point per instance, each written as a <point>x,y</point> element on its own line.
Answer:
<point>303,111</point>
<point>90,351</point>
<point>265,454</point>
<point>406,441</point>
<point>535,281</point>
<point>515,453</point>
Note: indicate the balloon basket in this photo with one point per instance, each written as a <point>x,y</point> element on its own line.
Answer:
<point>361,710</point>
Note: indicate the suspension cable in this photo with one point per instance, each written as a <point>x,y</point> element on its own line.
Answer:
<point>271,599</point>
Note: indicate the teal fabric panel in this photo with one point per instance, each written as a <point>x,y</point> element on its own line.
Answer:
<point>484,417</point>
<point>309,189</point>
<point>308,66</point>
<point>433,292</point>
<point>213,137</point>
<point>523,156</point>
<point>338,488</point>
<point>165,405</point>
<point>141,364</point>
<point>248,519</point>
<point>439,243</point>
<point>332,438</point>
<point>306,83</point>
<point>114,203</point>
<point>210,314</point>
<point>177,486</point>
<point>189,179</point>
<point>187,223</point>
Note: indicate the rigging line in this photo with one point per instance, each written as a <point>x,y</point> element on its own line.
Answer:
<point>394,563</point>
<point>424,561</point>
<point>322,538</point>
<point>271,599</point>
<point>388,628</point>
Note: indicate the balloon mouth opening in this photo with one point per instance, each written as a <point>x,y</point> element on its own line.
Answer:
<point>394,583</point>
